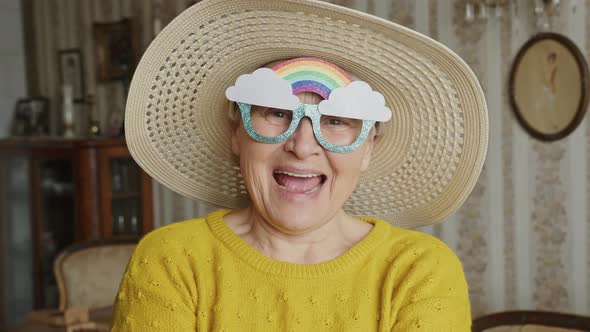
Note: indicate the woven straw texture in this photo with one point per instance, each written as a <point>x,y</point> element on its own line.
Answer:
<point>433,148</point>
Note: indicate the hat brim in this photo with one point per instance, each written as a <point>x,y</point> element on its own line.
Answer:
<point>422,170</point>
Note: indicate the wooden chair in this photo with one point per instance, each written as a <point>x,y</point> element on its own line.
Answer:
<point>528,321</point>
<point>88,274</point>
<point>88,277</point>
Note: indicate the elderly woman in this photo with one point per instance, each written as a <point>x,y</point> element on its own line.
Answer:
<point>350,124</point>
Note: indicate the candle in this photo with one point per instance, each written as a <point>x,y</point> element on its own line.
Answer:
<point>68,110</point>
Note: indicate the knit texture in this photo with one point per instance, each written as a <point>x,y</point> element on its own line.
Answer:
<point>199,275</point>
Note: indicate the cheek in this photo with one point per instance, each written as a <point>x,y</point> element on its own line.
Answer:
<point>253,172</point>
<point>254,156</point>
<point>242,143</point>
<point>348,165</point>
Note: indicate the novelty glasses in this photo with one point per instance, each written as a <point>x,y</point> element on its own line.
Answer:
<point>334,133</point>
<point>271,111</point>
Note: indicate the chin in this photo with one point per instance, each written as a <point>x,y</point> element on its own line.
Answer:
<point>297,220</point>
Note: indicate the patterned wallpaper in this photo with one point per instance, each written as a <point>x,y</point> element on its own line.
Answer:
<point>521,235</point>
<point>507,121</point>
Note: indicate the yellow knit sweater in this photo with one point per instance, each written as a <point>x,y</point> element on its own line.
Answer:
<point>199,275</point>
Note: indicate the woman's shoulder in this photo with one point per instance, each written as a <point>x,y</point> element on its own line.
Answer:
<point>413,246</point>
<point>179,230</point>
<point>177,236</point>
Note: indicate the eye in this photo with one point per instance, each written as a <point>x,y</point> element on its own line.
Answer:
<point>272,113</point>
<point>278,114</point>
<point>336,122</point>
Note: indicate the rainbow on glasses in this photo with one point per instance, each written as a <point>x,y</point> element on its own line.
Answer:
<point>271,111</point>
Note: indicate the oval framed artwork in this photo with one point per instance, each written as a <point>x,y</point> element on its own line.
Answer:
<point>549,86</point>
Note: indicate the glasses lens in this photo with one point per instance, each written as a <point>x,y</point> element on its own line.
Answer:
<point>340,131</point>
<point>270,122</point>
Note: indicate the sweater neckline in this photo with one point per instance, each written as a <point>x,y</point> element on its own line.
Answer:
<point>241,249</point>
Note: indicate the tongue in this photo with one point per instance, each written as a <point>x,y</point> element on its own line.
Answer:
<point>297,184</point>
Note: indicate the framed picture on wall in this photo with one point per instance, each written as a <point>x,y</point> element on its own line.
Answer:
<point>71,72</point>
<point>31,117</point>
<point>549,86</point>
<point>114,50</point>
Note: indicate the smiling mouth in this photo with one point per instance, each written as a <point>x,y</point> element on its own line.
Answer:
<point>299,183</point>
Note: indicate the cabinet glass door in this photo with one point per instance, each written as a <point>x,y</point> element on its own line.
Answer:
<point>126,217</point>
<point>16,251</point>
<point>57,227</point>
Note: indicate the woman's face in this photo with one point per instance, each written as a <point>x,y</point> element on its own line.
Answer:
<point>296,185</point>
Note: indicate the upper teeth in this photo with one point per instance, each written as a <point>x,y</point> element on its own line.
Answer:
<point>297,174</point>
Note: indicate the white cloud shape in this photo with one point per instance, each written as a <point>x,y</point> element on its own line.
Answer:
<point>263,87</point>
<point>357,101</point>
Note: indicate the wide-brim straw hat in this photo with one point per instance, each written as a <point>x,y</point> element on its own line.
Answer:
<point>433,148</point>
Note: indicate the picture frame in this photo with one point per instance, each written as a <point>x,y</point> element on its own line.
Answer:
<point>31,117</point>
<point>71,72</point>
<point>114,50</point>
<point>548,86</point>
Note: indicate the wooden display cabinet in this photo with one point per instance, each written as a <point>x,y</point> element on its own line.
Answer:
<point>53,193</point>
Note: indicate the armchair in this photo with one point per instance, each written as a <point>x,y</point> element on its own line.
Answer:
<point>88,274</point>
<point>531,321</point>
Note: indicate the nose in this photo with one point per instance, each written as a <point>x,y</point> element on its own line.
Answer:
<point>303,142</point>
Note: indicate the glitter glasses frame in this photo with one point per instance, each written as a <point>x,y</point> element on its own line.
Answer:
<point>313,113</point>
